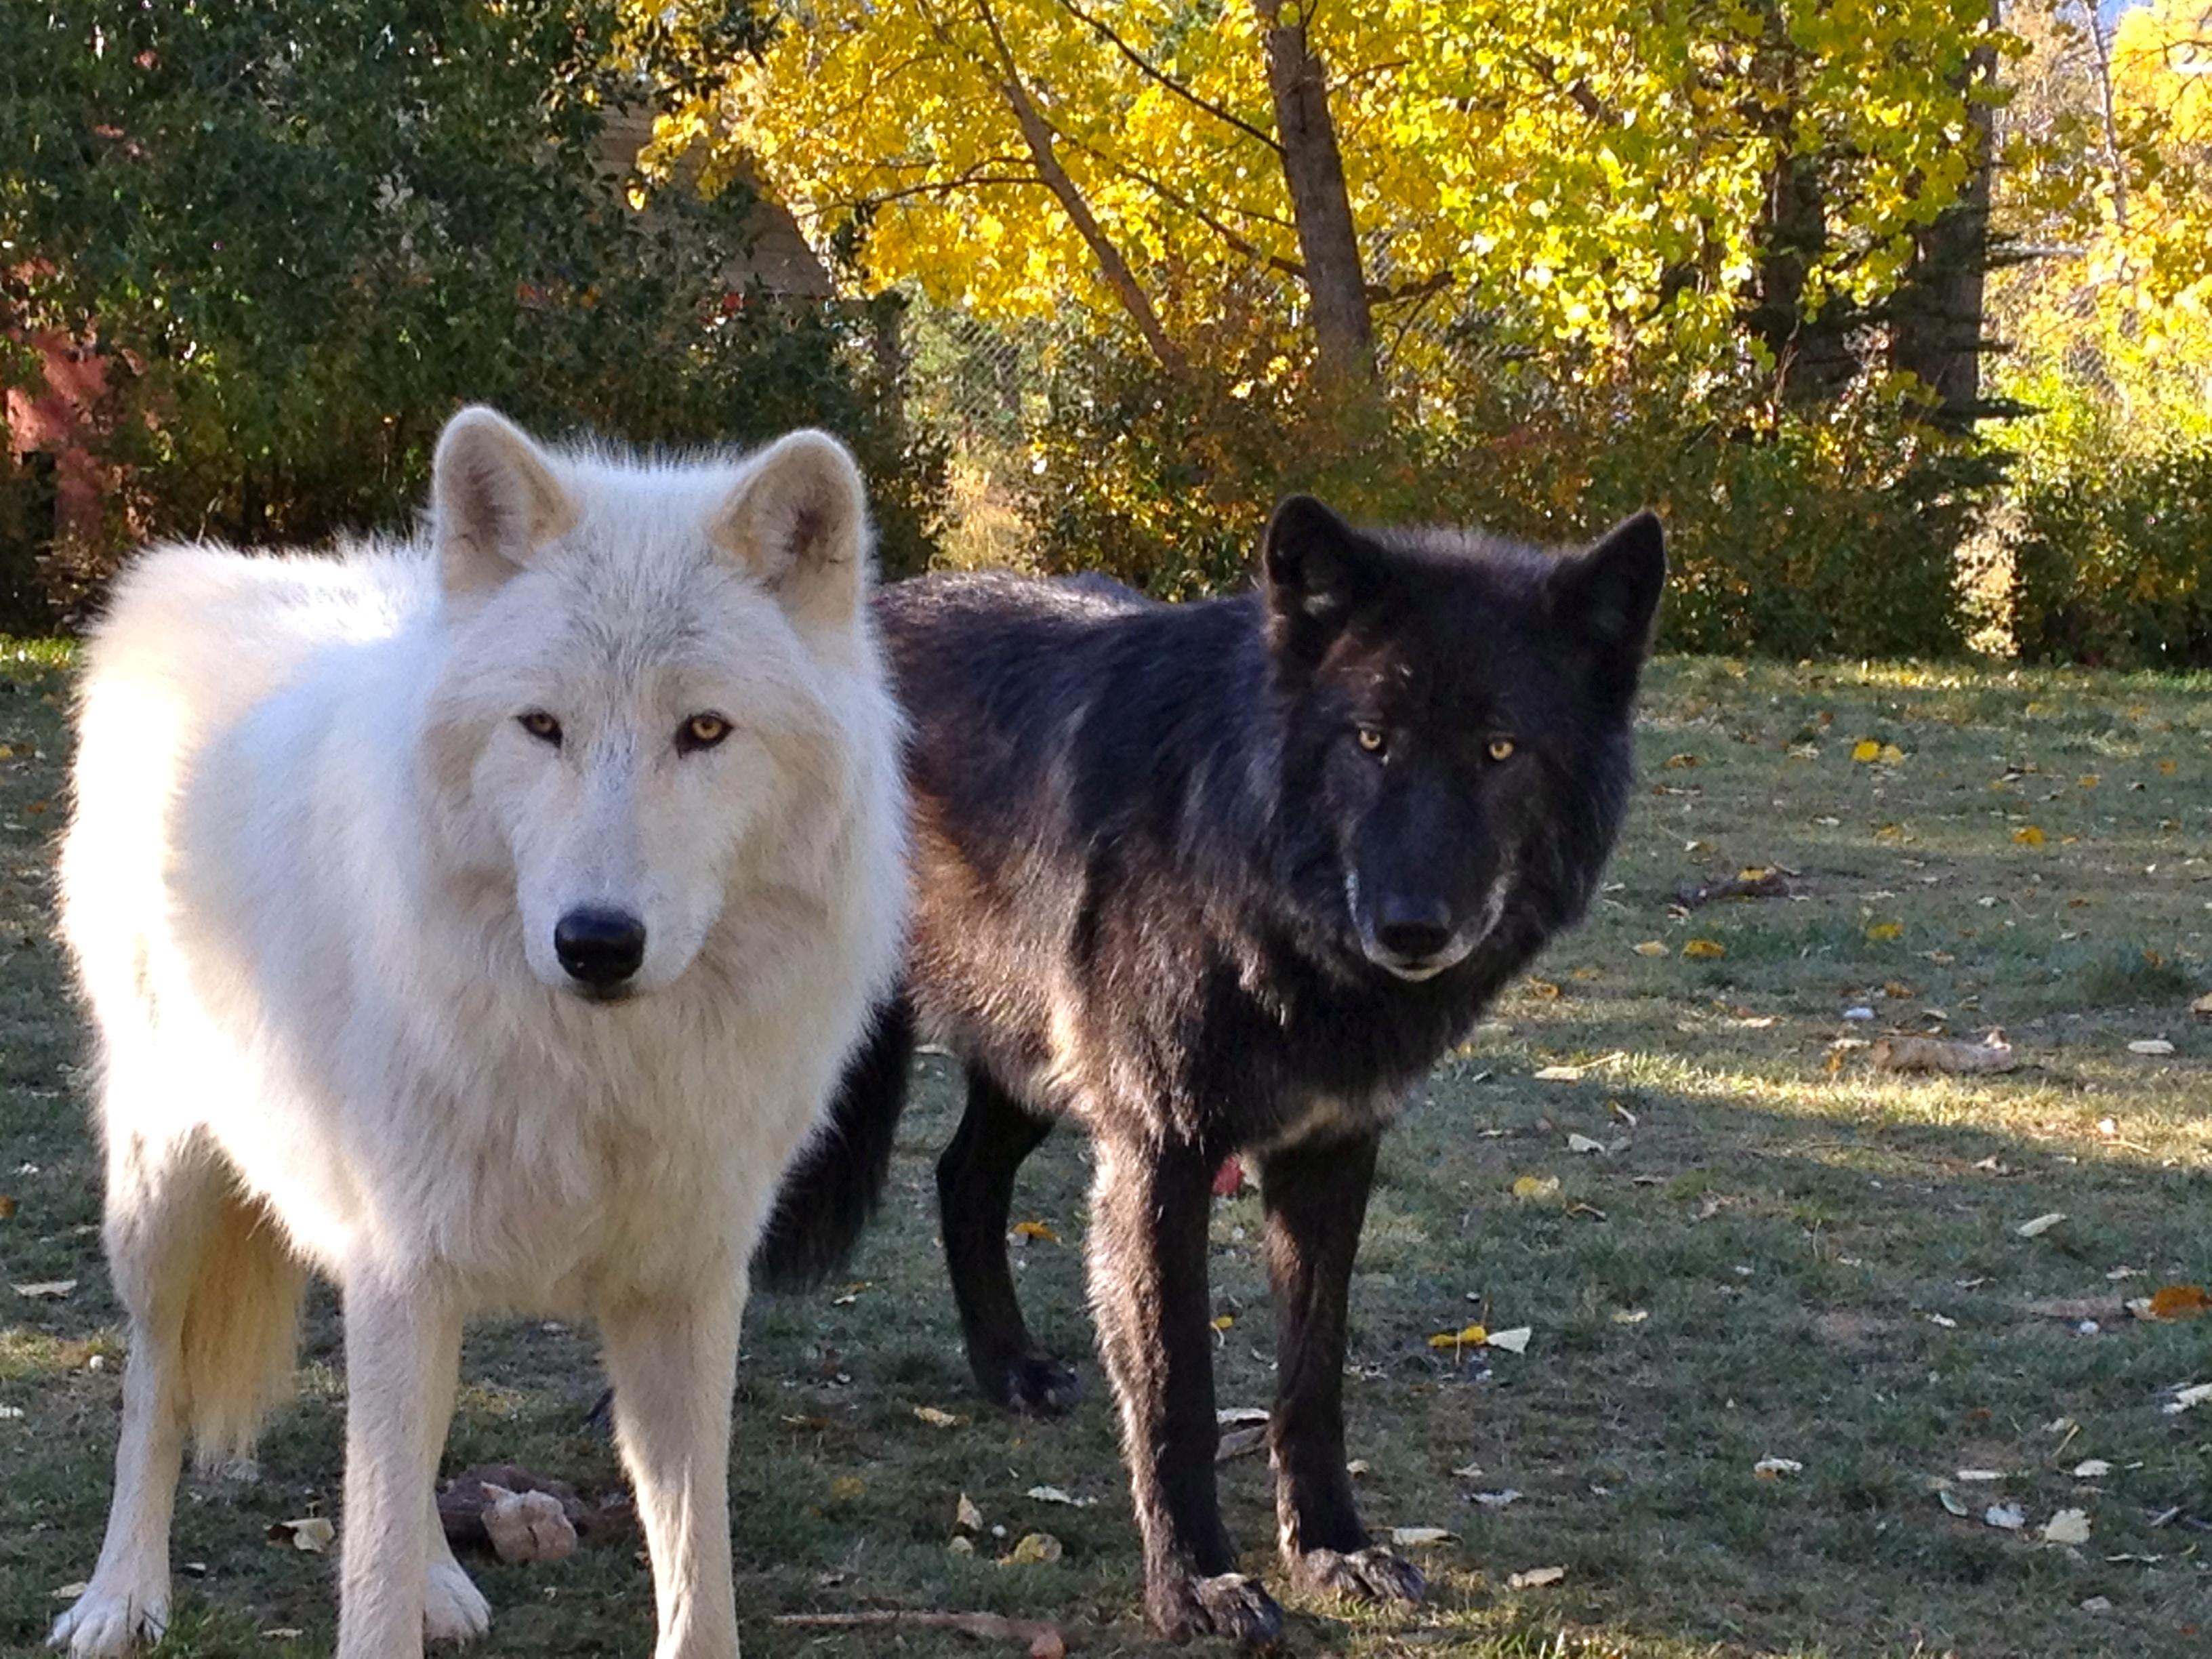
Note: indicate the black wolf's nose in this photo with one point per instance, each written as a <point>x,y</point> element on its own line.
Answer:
<point>599,948</point>
<point>1413,930</point>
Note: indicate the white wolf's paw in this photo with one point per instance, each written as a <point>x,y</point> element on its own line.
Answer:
<point>453,1608</point>
<point>109,1619</point>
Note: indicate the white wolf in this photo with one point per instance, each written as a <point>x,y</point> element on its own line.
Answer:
<point>482,923</point>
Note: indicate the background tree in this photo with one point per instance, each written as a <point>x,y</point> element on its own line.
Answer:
<point>297,233</point>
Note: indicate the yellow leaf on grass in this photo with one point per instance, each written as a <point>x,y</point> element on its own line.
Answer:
<point>1704,949</point>
<point>1473,1336</point>
<point>1222,1321</point>
<point>2087,781</point>
<point>1536,1187</point>
<point>1884,930</point>
<point>1680,763</point>
<point>1035,1229</point>
<point>2166,769</point>
<point>1891,754</point>
<point>2028,835</point>
<point>1542,987</point>
<point>1036,1548</point>
<point>1652,947</point>
<point>1866,750</point>
<point>847,1487</point>
<point>310,1535</point>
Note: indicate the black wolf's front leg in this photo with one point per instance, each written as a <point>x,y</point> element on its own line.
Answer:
<point>1148,1287</point>
<point>1315,1196</point>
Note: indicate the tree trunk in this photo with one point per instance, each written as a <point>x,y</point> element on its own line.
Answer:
<point>1936,315</point>
<point>1313,166</point>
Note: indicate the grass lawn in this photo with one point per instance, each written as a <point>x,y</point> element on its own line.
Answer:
<point>1776,1253</point>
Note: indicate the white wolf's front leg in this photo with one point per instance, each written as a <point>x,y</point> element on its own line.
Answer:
<point>128,1598</point>
<point>403,1350</point>
<point>673,1362</point>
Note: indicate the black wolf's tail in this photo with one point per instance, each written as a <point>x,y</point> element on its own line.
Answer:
<point>828,1196</point>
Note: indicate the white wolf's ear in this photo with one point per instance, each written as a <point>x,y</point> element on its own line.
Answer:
<point>799,520</point>
<point>493,501</point>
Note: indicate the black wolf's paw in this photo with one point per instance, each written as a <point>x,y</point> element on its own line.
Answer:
<point>1228,1605</point>
<point>1373,1574</point>
<point>1037,1385</point>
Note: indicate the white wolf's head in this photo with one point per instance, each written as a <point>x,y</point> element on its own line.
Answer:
<point>646,665</point>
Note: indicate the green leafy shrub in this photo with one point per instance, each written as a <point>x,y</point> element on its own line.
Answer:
<point>300,233</point>
<point>1791,533</point>
<point>2114,562</point>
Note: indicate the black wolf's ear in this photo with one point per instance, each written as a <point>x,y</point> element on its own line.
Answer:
<point>1607,595</point>
<point>1315,572</point>
<point>493,501</point>
<point>799,520</point>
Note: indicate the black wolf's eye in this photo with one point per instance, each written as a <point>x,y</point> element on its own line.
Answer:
<point>1373,739</point>
<point>700,731</point>
<point>1502,749</point>
<point>540,726</point>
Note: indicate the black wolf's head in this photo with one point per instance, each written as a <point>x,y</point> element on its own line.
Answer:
<point>1457,723</point>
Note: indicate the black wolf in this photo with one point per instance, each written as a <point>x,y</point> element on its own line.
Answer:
<point>1223,877</point>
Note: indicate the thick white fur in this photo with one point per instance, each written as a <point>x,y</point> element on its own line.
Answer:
<point>311,883</point>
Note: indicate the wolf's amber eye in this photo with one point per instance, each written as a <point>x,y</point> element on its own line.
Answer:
<point>540,726</point>
<point>701,732</point>
<point>1501,749</point>
<point>1373,739</point>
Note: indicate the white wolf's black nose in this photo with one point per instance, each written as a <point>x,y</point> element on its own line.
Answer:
<point>599,948</point>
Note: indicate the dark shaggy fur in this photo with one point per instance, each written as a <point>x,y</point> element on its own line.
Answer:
<point>1228,877</point>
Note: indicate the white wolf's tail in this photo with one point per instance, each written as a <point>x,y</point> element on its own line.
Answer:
<point>241,1323</point>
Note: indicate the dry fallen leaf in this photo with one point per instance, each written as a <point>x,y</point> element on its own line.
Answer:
<point>1497,1500</point>
<point>1471,1336</point>
<point>1536,1577</point>
<point>1631,1315</point>
<point>2195,1394</point>
<point>1651,947</point>
<point>70,1591</point>
<point>1774,1468</point>
<point>1536,1187</point>
<point>2042,1224</point>
<point>1581,1143</point>
<point>1240,1443</point>
<point>1515,1341</point>
<point>966,1517</point>
<point>2028,835</point>
<point>1035,1229</point>
<point>2150,1046</point>
<point>1971,1475</point>
<point>2180,1302</point>
<point>1036,1548</point>
<point>2202,1007</point>
<point>847,1487</point>
<point>1704,949</point>
<point>311,1535</point>
<point>1886,930</point>
<point>2092,1468</point>
<point>1561,1074</point>
<point>938,1420</point>
<point>1912,1054</point>
<point>1055,1495</point>
<point>1232,1416</point>
<point>46,1290</point>
<point>1407,1537</point>
<point>2067,1527</point>
<point>2007,1518</point>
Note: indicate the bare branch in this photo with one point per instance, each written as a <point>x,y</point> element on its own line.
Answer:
<point>1100,27</point>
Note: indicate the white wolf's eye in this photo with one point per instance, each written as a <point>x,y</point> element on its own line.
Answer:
<point>700,731</point>
<point>1373,739</point>
<point>540,726</point>
<point>1501,749</point>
